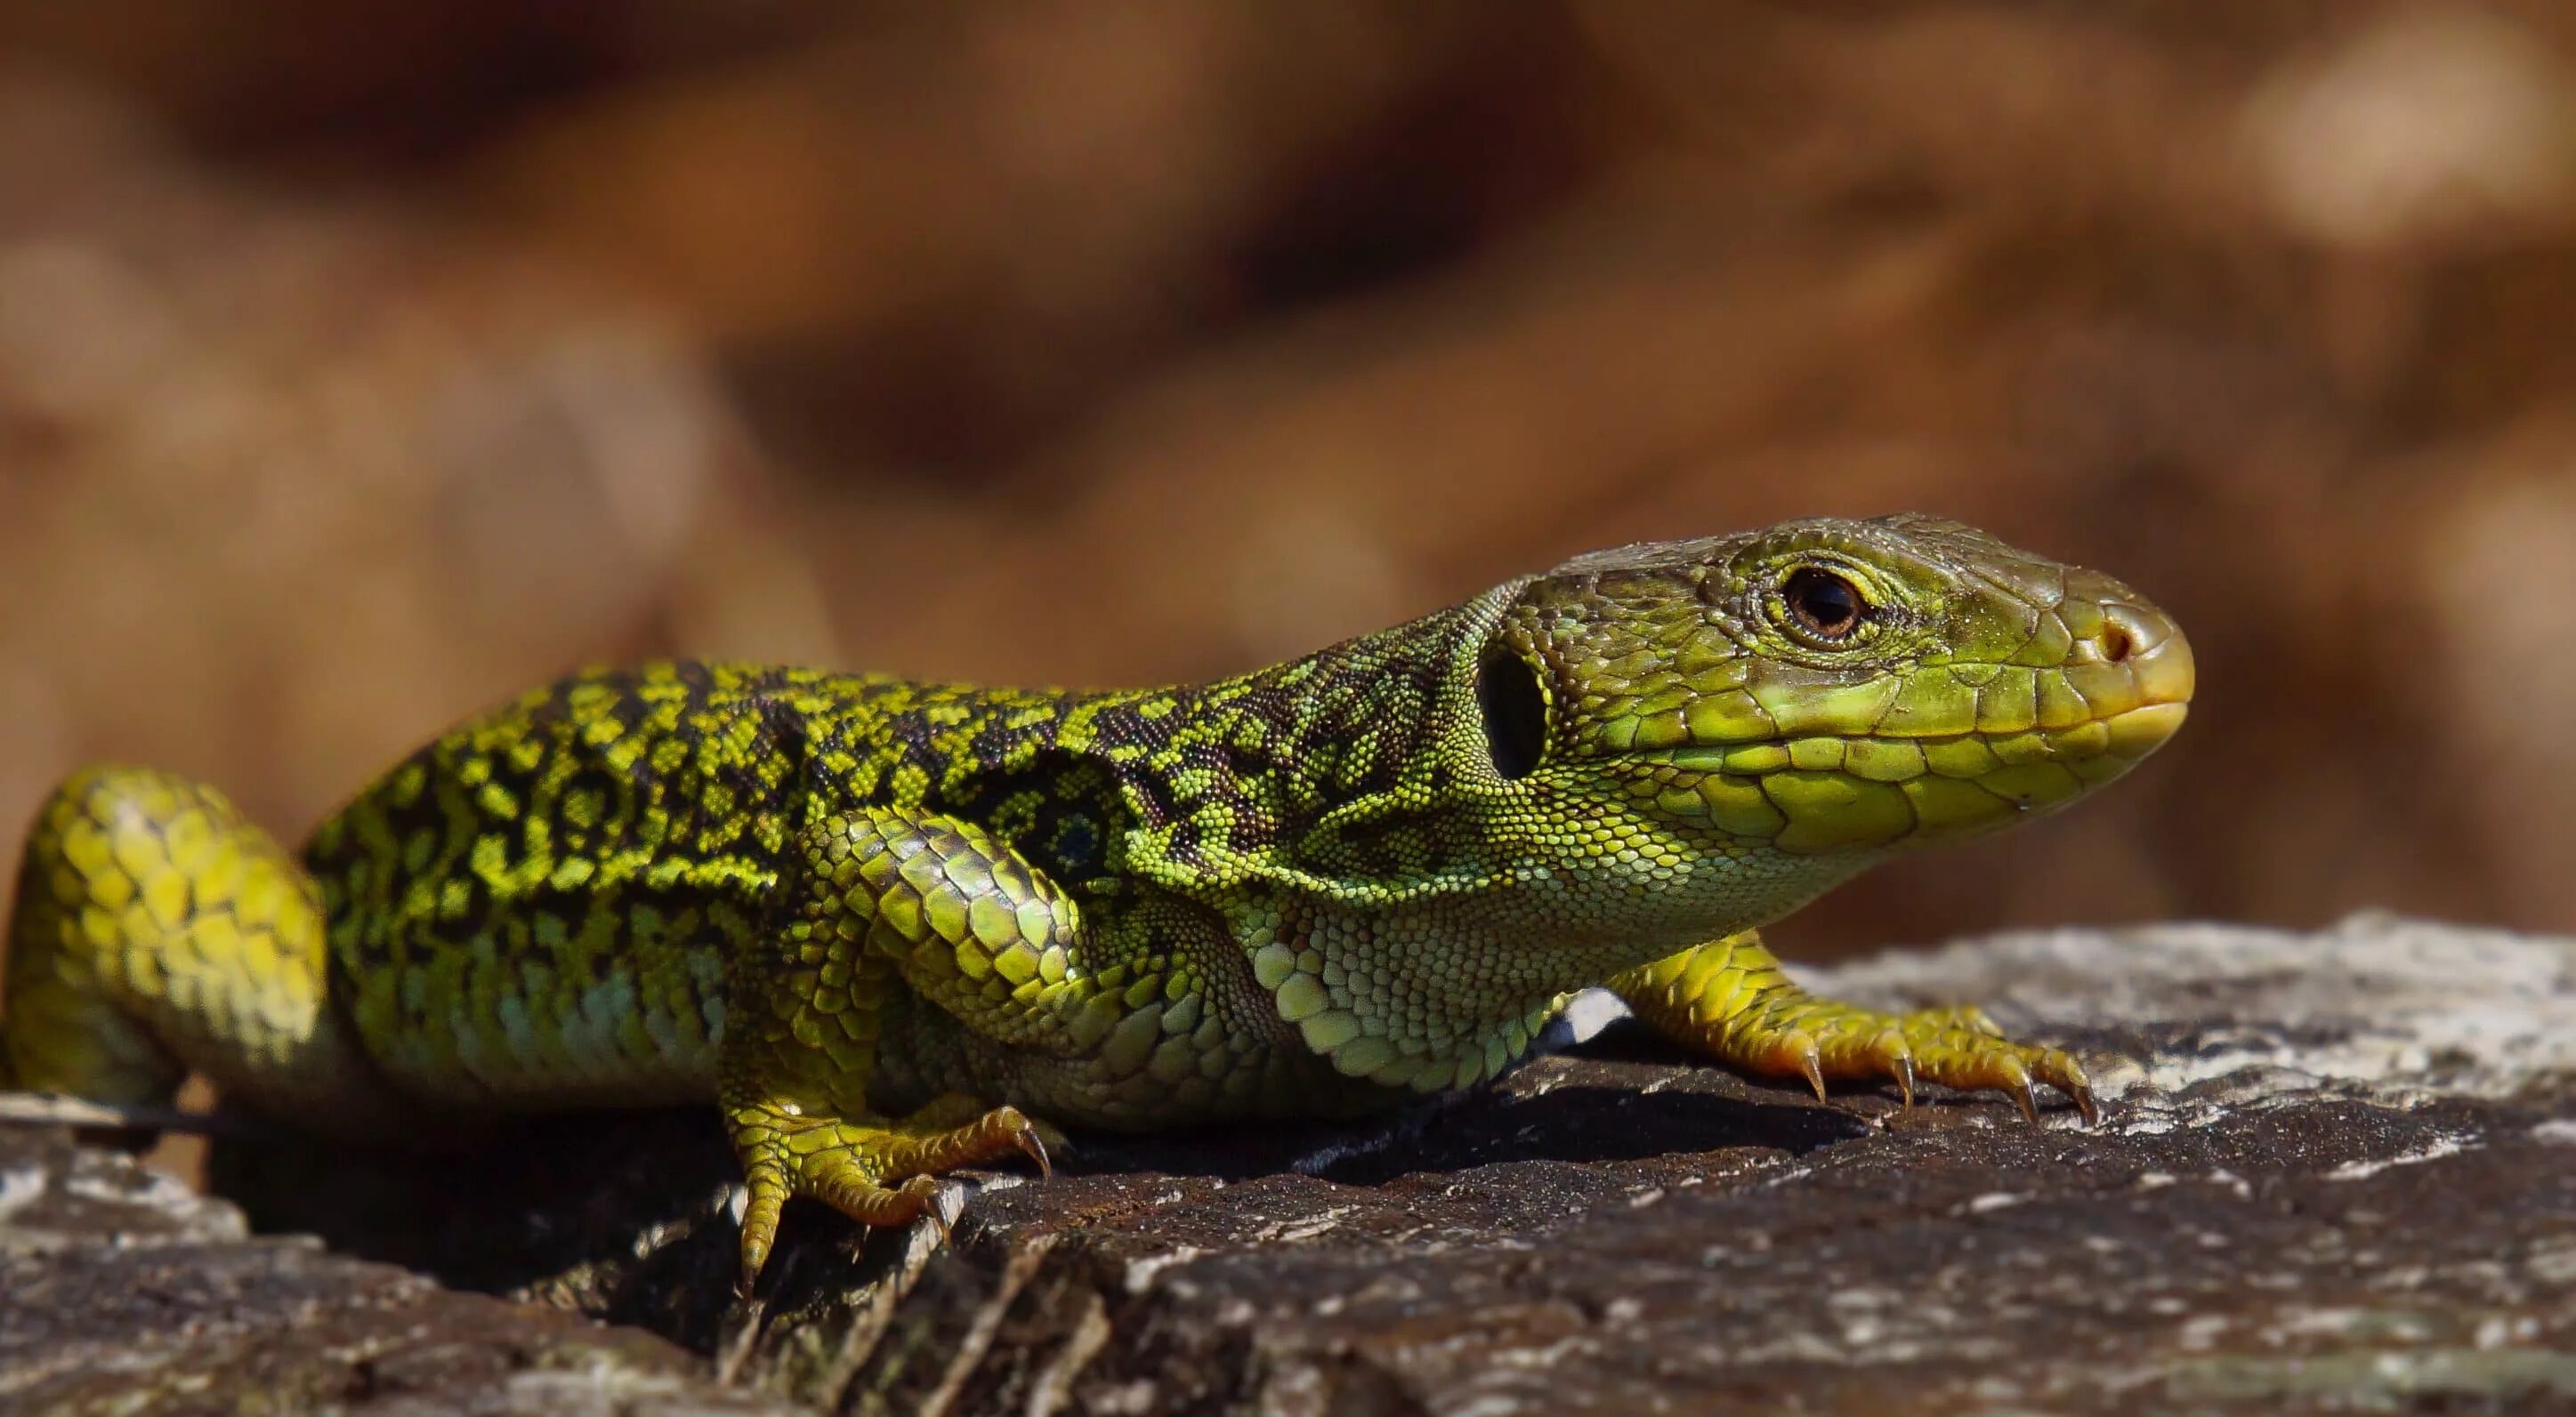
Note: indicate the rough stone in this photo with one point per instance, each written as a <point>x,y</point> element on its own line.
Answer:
<point>122,1291</point>
<point>2337,1172</point>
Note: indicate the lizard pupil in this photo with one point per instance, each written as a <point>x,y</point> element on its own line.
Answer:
<point>1515,712</point>
<point>1825,604</point>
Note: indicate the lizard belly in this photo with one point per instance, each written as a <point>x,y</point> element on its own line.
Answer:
<point>1226,1072</point>
<point>581,1002</point>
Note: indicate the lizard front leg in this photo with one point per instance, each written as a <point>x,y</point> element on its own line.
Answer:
<point>870,893</point>
<point>1731,1000</point>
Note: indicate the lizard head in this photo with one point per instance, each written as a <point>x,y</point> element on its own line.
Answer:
<point>1815,694</point>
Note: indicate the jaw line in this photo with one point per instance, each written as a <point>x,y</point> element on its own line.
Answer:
<point>2136,731</point>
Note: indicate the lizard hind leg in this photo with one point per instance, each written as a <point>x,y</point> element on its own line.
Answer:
<point>1731,1000</point>
<point>157,932</point>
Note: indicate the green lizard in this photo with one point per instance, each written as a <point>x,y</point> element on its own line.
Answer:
<point>887,926</point>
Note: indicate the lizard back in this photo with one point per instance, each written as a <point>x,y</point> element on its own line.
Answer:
<point>535,909</point>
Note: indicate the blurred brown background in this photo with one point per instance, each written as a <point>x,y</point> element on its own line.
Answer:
<point>361,363</point>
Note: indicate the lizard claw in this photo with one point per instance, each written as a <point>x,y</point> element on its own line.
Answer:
<point>924,1190</point>
<point>1033,1146</point>
<point>1026,1135</point>
<point>1811,1066</point>
<point>2019,1090</point>
<point>1900,1066</point>
<point>2058,1070</point>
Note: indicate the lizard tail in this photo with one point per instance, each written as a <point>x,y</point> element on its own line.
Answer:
<point>84,951</point>
<point>157,932</point>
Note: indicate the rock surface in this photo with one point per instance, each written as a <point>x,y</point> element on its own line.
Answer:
<point>122,1291</point>
<point>2337,1172</point>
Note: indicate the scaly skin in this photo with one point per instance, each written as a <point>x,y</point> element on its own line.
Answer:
<point>885,925</point>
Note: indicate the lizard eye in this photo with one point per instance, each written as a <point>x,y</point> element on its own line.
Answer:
<point>1515,712</point>
<point>1824,605</point>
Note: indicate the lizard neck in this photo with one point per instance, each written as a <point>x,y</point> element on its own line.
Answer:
<point>1300,775</point>
<point>1314,806</point>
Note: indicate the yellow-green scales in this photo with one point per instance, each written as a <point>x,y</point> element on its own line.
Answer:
<point>884,925</point>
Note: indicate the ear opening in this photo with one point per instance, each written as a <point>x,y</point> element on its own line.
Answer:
<point>1514,709</point>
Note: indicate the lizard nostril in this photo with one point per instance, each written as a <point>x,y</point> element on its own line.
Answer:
<point>2125,633</point>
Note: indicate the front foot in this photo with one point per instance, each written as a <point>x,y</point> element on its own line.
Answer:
<point>1826,1042</point>
<point>1731,1000</point>
<point>876,1171</point>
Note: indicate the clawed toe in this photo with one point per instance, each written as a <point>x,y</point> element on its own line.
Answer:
<point>876,1171</point>
<point>1959,1048</point>
<point>1812,1068</point>
<point>1731,999</point>
<point>1985,1059</point>
<point>2018,1089</point>
<point>1034,1148</point>
<point>924,1192</point>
